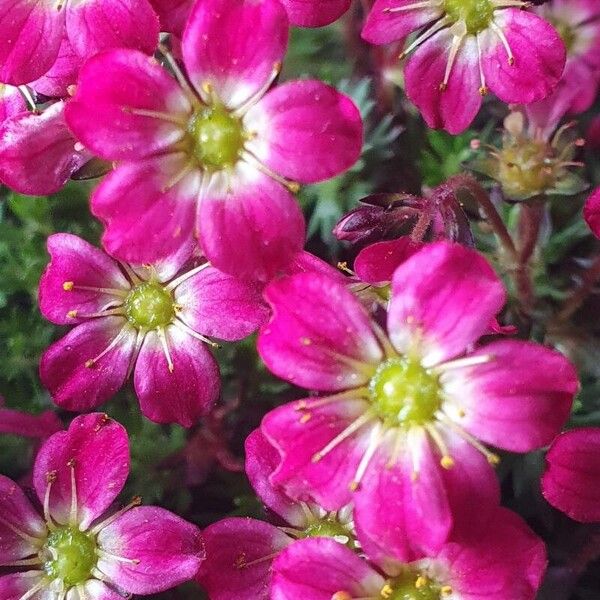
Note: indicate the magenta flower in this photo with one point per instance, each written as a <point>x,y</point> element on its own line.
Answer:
<point>32,32</point>
<point>152,321</point>
<point>17,422</point>
<point>465,48</point>
<point>403,433</point>
<point>219,152</point>
<point>75,549</point>
<point>502,560</point>
<point>571,482</point>
<point>591,212</point>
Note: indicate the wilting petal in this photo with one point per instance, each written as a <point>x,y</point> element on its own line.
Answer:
<point>383,25</point>
<point>234,46</point>
<point>24,424</point>
<point>376,263</point>
<point>452,107</point>
<point>147,208</point>
<point>180,394</point>
<point>96,25</point>
<point>17,513</point>
<point>538,52</point>
<point>167,550</point>
<point>62,74</point>
<point>315,13</point>
<point>63,370</point>
<point>112,86</point>
<point>16,585</point>
<point>591,212</point>
<point>95,450</point>
<point>249,225</point>
<point>31,35</point>
<point>305,118</point>
<point>299,434</point>
<point>319,568</point>
<point>38,153</point>
<point>75,262</point>
<point>11,102</point>
<point>571,482</point>
<point>233,543</point>
<point>443,299</point>
<point>518,400</point>
<point>262,459</point>
<point>319,337</point>
<point>219,305</point>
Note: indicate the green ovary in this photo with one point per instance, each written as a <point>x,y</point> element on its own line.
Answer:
<point>411,586</point>
<point>72,556</point>
<point>218,137</point>
<point>332,528</point>
<point>404,393</point>
<point>149,306</point>
<point>476,14</point>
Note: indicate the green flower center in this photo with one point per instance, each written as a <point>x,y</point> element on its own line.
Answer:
<point>476,14</point>
<point>329,526</point>
<point>218,137</point>
<point>72,556</point>
<point>404,393</point>
<point>149,306</point>
<point>412,585</point>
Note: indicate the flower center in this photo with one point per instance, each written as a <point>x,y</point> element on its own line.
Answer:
<point>476,14</point>
<point>72,556</point>
<point>404,393</point>
<point>149,306</point>
<point>412,585</point>
<point>331,527</point>
<point>218,137</point>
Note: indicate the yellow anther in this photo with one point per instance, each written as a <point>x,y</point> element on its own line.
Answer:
<point>511,60</point>
<point>446,590</point>
<point>341,596</point>
<point>68,286</point>
<point>72,314</point>
<point>386,591</point>
<point>305,341</point>
<point>293,186</point>
<point>443,87</point>
<point>305,418</point>
<point>493,459</point>
<point>421,582</point>
<point>90,363</point>
<point>354,485</point>
<point>483,90</point>
<point>447,462</point>
<point>414,476</point>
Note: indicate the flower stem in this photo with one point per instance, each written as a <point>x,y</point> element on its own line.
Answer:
<point>589,279</point>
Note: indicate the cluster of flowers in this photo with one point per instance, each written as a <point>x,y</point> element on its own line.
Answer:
<point>381,481</point>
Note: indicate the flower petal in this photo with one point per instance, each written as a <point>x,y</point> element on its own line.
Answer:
<point>167,550</point>
<point>591,212</point>
<point>16,585</point>
<point>184,393</point>
<point>112,86</point>
<point>443,299</point>
<point>233,543</point>
<point>24,424</point>
<point>315,13</point>
<point>305,118</point>
<point>11,102</point>
<point>147,209</point>
<point>93,589</point>
<point>538,57</point>
<point>376,263</point>
<point>319,337</point>
<point>63,370</point>
<point>571,482</point>
<point>63,73</point>
<point>95,451</point>
<point>249,225</point>
<point>173,14</point>
<point>234,46</point>
<point>518,400</point>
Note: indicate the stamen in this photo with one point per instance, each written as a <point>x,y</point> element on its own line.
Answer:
<point>240,561</point>
<point>248,104</point>
<point>173,284</point>
<point>118,311</point>
<point>365,418</point>
<point>500,34</point>
<point>184,327</point>
<point>70,285</point>
<point>459,32</point>
<point>34,590</point>
<point>92,361</point>
<point>189,166</point>
<point>28,97</point>
<point>441,24</point>
<point>108,556</point>
<point>133,276</point>
<point>421,582</point>
<point>446,460</point>
<point>398,444</point>
<point>73,518</point>
<point>292,186</point>
<point>50,479</point>
<point>446,590</point>
<point>26,562</point>
<point>307,404</point>
<point>343,266</point>
<point>460,363</point>
<point>155,114</point>
<point>377,434</point>
<point>160,332</point>
<point>139,340</point>
<point>136,501</point>
<point>179,75</point>
<point>341,596</point>
<point>483,89</point>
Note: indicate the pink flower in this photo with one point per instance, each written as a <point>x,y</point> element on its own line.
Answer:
<point>501,560</point>
<point>17,422</point>
<point>465,48</point>
<point>403,433</point>
<point>152,321</point>
<point>74,549</point>
<point>33,31</point>
<point>220,152</point>
<point>591,212</point>
<point>571,482</point>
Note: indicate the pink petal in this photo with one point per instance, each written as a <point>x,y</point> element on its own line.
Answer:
<point>383,26</point>
<point>315,13</point>
<point>97,25</point>
<point>319,568</point>
<point>376,263</point>
<point>519,400</point>
<point>169,550</point>
<point>184,394</point>
<point>96,590</point>
<point>16,585</point>
<point>17,422</point>
<point>38,153</point>
<point>62,74</point>
<point>11,102</point>
<point>148,213</point>
<point>262,459</point>
<point>234,46</point>
<point>17,513</point>
<point>454,107</point>
<point>95,450</point>
<point>75,261</point>
<point>173,14</point>
<point>571,482</point>
<point>230,545</point>
<point>591,212</point>
<point>319,337</point>
<point>31,35</point>
<point>445,296</point>
<point>539,57</point>
<point>249,225</point>
<point>112,86</point>
<point>305,262</point>
<point>219,305</point>
<point>305,118</point>
<point>74,386</point>
<point>298,439</point>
